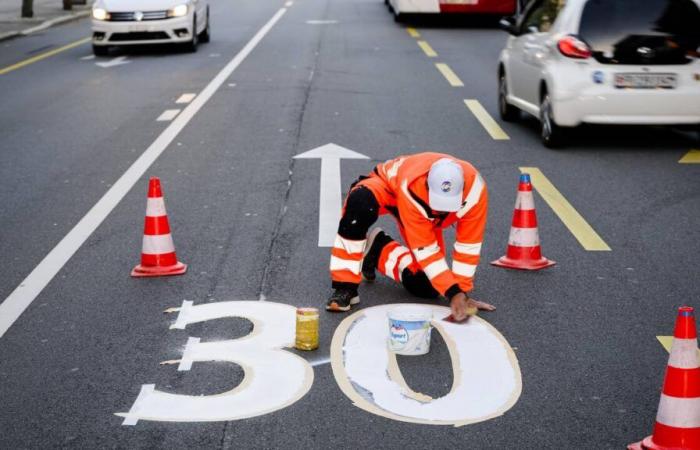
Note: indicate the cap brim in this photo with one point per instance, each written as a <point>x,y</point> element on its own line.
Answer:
<point>444,203</point>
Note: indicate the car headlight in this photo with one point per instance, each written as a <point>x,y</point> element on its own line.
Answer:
<point>178,11</point>
<point>100,14</point>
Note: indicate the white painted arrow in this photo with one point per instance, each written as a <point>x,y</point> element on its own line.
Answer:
<point>330,199</point>
<point>118,61</point>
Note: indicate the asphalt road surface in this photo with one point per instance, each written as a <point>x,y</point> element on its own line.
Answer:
<point>244,216</point>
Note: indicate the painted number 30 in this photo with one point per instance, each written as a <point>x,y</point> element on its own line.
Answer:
<point>486,375</point>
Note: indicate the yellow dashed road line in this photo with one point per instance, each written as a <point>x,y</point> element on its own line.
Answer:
<point>44,55</point>
<point>692,157</point>
<point>413,32</point>
<point>486,120</point>
<point>577,225</point>
<point>451,77</point>
<point>427,49</point>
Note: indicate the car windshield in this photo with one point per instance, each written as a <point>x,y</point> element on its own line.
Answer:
<point>642,32</point>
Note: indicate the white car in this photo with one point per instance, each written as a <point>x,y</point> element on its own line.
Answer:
<point>130,22</point>
<point>570,62</point>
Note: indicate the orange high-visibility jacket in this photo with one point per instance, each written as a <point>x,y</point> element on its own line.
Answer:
<point>401,188</point>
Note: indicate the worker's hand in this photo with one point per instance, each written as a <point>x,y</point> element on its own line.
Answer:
<point>464,307</point>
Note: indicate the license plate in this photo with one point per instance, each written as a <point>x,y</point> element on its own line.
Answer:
<point>646,80</point>
<point>138,28</point>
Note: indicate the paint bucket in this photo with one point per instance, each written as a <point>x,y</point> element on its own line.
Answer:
<point>409,330</point>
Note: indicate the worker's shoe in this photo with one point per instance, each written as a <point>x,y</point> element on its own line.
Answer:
<point>342,299</point>
<point>376,241</point>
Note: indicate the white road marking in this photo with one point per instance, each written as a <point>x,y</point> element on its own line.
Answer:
<point>321,22</point>
<point>24,294</point>
<point>118,61</point>
<point>168,115</point>
<point>88,57</point>
<point>330,198</point>
<point>186,98</point>
<point>288,4</point>
<point>320,362</point>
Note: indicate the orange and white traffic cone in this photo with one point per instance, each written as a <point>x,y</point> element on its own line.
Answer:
<point>524,242</point>
<point>158,256</point>
<point>678,418</point>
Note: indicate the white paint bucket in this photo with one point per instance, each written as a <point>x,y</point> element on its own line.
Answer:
<point>409,330</point>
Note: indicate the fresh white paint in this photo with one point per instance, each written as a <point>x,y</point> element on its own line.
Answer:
<point>168,115</point>
<point>274,378</point>
<point>24,294</point>
<point>186,98</point>
<point>330,197</point>
<point>118,61</point>
<point>321,22</point>
<point>487,380</point>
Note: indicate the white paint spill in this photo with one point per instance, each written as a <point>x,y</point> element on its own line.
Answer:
<point>330,197</point>
<point>168,115</point>
<point>185,98</point>
<point>274,378</point>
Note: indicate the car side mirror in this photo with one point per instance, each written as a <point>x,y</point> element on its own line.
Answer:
<point>508,24</point>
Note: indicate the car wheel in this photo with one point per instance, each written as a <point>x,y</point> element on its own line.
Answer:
<point>508,112</point>
<point>552,134</point>
<point>192,45</point>
<point>100,50</point>
<point>205,36</point>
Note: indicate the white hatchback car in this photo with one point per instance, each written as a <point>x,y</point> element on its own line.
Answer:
<point>130,22</point>
<point>603,62</point>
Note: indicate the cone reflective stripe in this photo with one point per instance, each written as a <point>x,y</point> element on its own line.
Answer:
<point>678,418</point>
<point>524,250</point>
<point>158,256</point>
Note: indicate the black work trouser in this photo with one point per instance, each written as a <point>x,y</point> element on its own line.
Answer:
<point>361,212</point>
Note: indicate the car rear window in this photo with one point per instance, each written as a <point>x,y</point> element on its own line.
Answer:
<point>642,31</point>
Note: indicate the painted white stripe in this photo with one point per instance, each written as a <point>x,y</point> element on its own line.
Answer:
<point>684,354</point>
<point>158,245</point>
<point>525,201</point>
<point>184,316</point>
<point>468,249</point>
<point>463,269</point>
<point>473,196</point>
<point>404,188</point>
<point>392,260</point>
<point>349,245</point>
<point>288,4</point>
<point>155,207</point>
<point>168,115</point>
<point>524,237</point>
<point>185,98</point>
<point>24,294</point>
<point>426,252</point>
<point>343,264</point>
<point>436,268</point>
<point>188,355</point>
<point>320,362</point>
<point>679,412</point>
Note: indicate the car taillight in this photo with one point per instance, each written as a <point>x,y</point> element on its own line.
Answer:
<point>572,47</point>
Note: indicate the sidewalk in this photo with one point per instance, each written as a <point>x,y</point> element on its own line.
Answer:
<point>47,13</point>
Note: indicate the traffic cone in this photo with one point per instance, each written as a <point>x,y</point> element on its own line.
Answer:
<point>158,256</point>
<point>524,242</point>
<point>678,418</point>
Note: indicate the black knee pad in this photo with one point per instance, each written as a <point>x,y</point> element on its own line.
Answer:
<point>361,211</point>
<point>418,284</point>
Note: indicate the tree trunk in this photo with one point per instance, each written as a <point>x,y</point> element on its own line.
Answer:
<point>67,5</point>
<point>27,8</point>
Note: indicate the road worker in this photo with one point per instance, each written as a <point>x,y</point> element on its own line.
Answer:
<point>425,193</point>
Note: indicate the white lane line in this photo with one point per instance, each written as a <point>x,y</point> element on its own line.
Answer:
<point>118,61</point>
<point>288,4</point>
<point>168,115</point>
<point>88,57</point>
<point>185,98</point>
<point>24,294</point>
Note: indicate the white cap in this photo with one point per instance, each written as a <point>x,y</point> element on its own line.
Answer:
<point>445,186</point>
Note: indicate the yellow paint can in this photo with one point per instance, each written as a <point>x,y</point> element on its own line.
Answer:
<point>307,329</point>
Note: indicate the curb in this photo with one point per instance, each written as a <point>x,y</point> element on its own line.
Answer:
<point>44,25</point>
